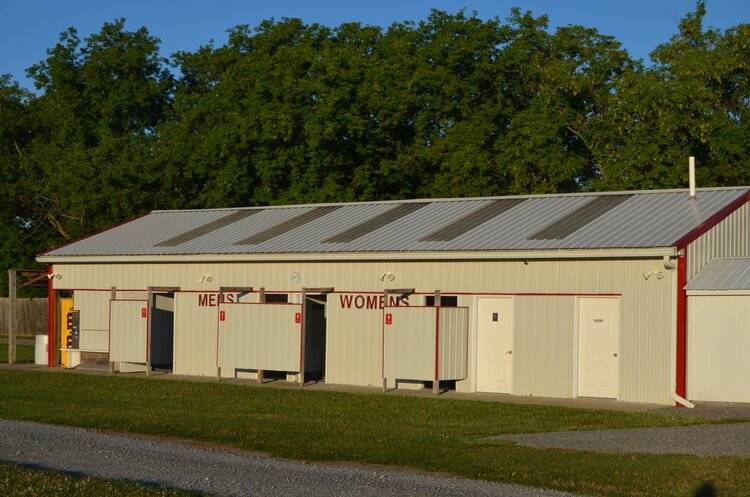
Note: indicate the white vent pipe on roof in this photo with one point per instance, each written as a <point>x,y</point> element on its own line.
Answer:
<point>691,173</point>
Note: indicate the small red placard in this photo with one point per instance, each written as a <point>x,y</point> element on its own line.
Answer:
<point>144,312</point>
<point>222,316</point>
<point>389,319</point>
<point>298,317</point>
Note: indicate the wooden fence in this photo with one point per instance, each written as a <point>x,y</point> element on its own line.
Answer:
<point>31,317</point>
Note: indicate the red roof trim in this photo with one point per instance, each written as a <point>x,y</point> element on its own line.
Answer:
<point>92,234</point>
<point>712,221</point>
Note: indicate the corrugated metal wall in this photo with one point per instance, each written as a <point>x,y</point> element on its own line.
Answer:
<point>545,323</point>
<point>194,335</point>
<point>95,319</point>
<point>543,346</point>
<point>354,342</point>
<point>127,341</point>
<point>259,336</point>
<point>718,348</point>
<point>453,350</point>
<point>730,238</point>
<point>410,344</point>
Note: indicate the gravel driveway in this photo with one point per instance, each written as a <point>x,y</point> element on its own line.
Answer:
<point>221,473</point>
<point>699,440</point>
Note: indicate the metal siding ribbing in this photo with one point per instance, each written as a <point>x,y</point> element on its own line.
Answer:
<point>454,323</point>
<point>127,335</point>
<point>354,335</point>
<point>259,336</point>
<point>410,344</point>
<point>194,336</point>
<point>729,238</point>
<point>718,348</point>
<point>94,325</point>
<point>645,219</point>
<point>543,365</point>
<point>353,345</point>
<point>723,274</point>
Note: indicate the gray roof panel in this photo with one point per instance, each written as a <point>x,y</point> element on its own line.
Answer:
<point>470,221</point>
<point>374,223</point>
<point>644,220</point>
<point>206,228</point>
<point>567,225</point>
<point>723,274</point>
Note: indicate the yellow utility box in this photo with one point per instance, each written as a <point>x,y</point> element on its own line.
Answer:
<point>69,333</point>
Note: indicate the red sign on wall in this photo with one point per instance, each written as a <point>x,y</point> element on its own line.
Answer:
<point>144,313</point>
<point>222,316</point>
<point>389,318</point>
<point>298,317</point>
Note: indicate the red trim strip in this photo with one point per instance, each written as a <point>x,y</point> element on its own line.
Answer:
<point>258,303</point>
<point>50,320</point>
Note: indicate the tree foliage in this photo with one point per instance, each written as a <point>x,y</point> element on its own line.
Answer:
<point>289,112</point>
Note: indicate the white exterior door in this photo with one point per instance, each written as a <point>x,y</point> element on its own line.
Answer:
<point>598,347</point>
<point>495,345</point>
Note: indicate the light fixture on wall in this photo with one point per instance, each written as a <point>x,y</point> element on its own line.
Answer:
<point>57,276</point>
<point>387,276</point>
<point>206,278</point>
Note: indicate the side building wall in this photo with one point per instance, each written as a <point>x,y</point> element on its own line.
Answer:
<point>545,300</point>
<point>729,238</point>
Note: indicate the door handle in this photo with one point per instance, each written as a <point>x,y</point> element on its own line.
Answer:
<point>509,352</point>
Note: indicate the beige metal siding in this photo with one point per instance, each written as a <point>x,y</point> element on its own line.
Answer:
<point>127,335</point>
<point>410,344</point>
<point>354,342</point>
<point>259,336</point>
<point>719,348</point>
<point>194,335</point>
<point>94,308</point>
<point>354,334</point>
<point>729,238</point>
<point>543,346</point>
<point>454,322</point>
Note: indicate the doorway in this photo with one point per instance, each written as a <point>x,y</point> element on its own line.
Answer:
<point>315,336</point>
<point>162,331</point>
<point>495,345</point>
<point>598,347</point>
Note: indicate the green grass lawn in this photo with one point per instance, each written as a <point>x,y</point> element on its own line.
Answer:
<point>22,482</point>
<point>430,434</point>
<point>24,353</point>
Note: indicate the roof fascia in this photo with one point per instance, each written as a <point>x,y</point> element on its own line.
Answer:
<point>656,252</point>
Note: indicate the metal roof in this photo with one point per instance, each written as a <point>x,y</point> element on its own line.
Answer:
<point>723,274</point>
<point>646,219</point>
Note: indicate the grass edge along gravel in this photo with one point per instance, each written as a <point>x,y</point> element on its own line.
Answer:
<point>442,435</point>
<point>22,481</point>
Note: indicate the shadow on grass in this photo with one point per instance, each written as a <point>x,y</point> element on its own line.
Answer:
<point>706,490</point>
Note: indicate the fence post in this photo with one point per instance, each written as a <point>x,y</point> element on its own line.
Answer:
<point>11,316</point>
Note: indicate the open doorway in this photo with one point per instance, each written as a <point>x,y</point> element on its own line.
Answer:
<point>315,336</point>
<point>162,331</point>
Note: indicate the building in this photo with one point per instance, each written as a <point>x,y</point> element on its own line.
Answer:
<point>574,295</point>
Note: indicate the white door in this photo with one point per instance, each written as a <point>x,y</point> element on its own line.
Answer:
<point>495,345</point>
<point>598,347</point>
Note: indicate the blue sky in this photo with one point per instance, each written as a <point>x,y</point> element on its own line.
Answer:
<point>29,28</point>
